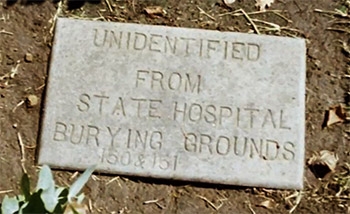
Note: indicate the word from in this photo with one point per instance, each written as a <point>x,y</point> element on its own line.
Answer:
<point>179,46</point>
<point>173,81</point>
<point>266,149</point>
<point>112,137</point>
<point>140,161</point>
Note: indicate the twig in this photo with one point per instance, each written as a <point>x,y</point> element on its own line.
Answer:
<point>5,191</point>
<point>109,6</point>
<point>250,208</point>
<point>114,179</point>
<point>5,32</point>
<point>40,87</point>
<point>283,17</point>
<point>250,21</point>
<point>75,174</point>
<point>58,12</point>
<point>336,13</point>
<point>211,203</point>
<point>23,158</point>
<point>298,196</point>
<point>155,202</point>
<point>90,206</point>
<point>339,30</point>
<point>203,12</point>
<point>234,13</point>
<point>95,178</point>
<point>18,105</point>
<point>273,25</point>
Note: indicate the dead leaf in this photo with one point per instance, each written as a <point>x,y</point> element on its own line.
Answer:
<point>155,10</point>
<point>262,4</point>
<point>32,100</point>
<point>323,163</point>
<point>268,204</point>
<point>75,208</point>
<point>228,2</point>
<point>335,114</point>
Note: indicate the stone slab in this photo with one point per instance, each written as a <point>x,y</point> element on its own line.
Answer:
<point>176,103</point>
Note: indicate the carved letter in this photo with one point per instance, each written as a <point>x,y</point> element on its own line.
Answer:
<point>210,109</point>
<point>153,108</point>
<point>289,148</point>
<point>190,142</point>
<point>138,105</point>
<point>269,117</point>
<point>119,106</point>
<point>103,40</point>
<point>253,52</point>
<point>84,99</point>
<point>237,49</point>
<point>156,140</point>
<point>140,41</point>
<point>282,125</point>
<point>171,46</point>
<point>101,97</point>
<point>223,145</point>
<point>93,131</point>
<point>199,112</point>
<point>272,149</point>
<point>60,132</point>
<point>174,84</point>
<point>138,77</point>
<point>176,110</point>
<point>192,86</point>
<point>154,44</point>
<point>79,134</point>
<point>251,110</point>
<point>157,76</point>
<point>205,140</point>
<point>222,114</point>
<point>212,45</point>
<point>113,144</point>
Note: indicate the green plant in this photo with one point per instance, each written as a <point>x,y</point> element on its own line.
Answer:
<point>47,198</point>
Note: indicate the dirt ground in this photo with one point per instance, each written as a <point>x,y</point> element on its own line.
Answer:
<point>26,28</point>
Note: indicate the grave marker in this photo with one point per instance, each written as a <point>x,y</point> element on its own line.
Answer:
<point>176,103</point>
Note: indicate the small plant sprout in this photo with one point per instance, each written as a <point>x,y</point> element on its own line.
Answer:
<point>47,197</point>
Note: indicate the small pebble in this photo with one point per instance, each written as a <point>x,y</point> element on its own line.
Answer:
<point>32,101</point>
<point>14,125</point>
<point>28,57</point>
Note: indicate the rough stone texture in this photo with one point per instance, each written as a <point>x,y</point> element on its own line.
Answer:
<point>176,103</point>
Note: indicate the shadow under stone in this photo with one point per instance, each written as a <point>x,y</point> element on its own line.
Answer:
<point>72,4</point>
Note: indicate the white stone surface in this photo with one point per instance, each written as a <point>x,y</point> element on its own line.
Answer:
<point>176,103</point>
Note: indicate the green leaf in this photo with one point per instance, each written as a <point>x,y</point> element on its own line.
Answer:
<point>25,186</point>
<point>79,183</point>
<point>80,198</point>
<point>47,184</point>
<point>62,196</point>
<point>9,205</point>
<point>35,204</point>
<point>45,178</point>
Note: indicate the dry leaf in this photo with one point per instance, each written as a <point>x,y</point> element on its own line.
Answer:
<point>320,162</point>
<point>32,101</point>
<point>262,4</point>
<point>80,208</point>
<point>268,204</point>
<point>228,2</point>
<point>155,10</point>
<point>335,114</point>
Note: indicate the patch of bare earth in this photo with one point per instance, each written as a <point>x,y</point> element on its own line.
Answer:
<point>25,42</point>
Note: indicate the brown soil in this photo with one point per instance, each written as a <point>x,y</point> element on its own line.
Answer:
<point>26,29</point>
